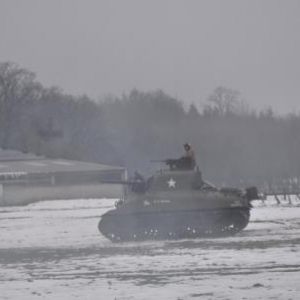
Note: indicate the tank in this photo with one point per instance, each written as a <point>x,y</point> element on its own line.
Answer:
<point>177,204</point>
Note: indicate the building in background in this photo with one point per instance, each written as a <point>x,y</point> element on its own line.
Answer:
<point>26,178</point>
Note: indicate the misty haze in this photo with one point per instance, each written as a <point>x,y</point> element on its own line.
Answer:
<point>93,93</point>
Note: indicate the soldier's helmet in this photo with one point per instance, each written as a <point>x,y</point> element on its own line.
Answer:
<point>187,146</point>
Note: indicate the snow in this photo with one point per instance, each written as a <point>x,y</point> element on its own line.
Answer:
<point>53,250</point>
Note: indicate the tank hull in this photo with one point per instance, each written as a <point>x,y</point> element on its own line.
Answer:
<point>172,225</point>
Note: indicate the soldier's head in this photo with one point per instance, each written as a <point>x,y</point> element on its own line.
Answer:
<point>187,146</point>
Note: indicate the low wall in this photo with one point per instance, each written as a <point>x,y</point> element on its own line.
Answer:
<point>20,195</point>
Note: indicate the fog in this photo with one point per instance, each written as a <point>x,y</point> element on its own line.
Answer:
<point>234,144</point>
<point>155,69</point>
<point>126,82</point>
<point>185,48</point>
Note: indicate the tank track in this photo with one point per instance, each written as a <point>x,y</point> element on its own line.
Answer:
<point>120,227</point>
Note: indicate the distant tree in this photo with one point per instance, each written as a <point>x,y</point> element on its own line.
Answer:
<point>222,101</point>
<point>18,88</point>
<point>267,113</point>
<point>193,112</point>
<point>144,125</point>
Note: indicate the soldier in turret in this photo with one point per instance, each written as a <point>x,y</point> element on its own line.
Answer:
<point>188,159</point>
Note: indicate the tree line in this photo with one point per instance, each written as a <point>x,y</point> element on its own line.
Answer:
<point>234,144</point>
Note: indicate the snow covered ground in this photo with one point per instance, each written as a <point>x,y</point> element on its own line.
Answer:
<point>53,250</point>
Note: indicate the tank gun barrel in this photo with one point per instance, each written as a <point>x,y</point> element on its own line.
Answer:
<point>167,161</point>
<point>124,182</point>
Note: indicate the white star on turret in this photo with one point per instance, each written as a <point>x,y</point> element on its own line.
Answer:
<point>171,183</point>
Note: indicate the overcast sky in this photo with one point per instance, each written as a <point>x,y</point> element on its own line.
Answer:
<point>186,48</point>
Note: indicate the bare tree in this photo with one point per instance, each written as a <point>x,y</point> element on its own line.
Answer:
<point>222,101</point>
<point>17,88</point>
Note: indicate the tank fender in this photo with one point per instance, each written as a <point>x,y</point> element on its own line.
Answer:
<point>231,191</point>
<point>252,193</point>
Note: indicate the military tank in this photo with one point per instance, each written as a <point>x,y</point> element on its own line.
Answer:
<point>176,203</point>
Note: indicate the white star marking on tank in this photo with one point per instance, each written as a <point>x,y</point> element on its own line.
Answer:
<point>171,183</point>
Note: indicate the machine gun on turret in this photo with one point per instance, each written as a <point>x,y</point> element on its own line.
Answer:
<point>182,163</point>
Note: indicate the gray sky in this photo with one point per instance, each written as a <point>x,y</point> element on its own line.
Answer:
<point>186,48</point>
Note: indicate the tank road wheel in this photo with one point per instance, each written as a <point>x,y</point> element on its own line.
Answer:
<point>239,220</point>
